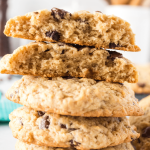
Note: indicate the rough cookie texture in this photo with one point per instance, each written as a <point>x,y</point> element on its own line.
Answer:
<point>76,97</point>
<point>143,126</point>
<point>83,28</point>
<point>59,59</point>
<point>143,84</point>
<point>55,130</point>
<point>24,146</point>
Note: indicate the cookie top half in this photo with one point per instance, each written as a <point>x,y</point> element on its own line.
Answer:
<point>82,27</point>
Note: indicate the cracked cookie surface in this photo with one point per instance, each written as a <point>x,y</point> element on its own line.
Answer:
<point>59,59</point>
<point>47,129</point>
<point>24,146</point>
<point>82,27</point>
<point>75,97</point>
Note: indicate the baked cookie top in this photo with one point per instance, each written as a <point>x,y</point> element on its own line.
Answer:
<point>75,97</point>
<point>59,59</point>
<point>82,27</point>
<point>39,128</point>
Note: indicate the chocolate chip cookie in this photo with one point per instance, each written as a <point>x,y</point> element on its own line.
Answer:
<point>75,97</point>
<point>82,27</point>
<point>143,84</point>
<point>54,130</point>
<point>142,124</point>
<point>24,146</point>
<point>59,59</point>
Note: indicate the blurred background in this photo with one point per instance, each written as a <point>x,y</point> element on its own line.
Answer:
<point>136,12</point>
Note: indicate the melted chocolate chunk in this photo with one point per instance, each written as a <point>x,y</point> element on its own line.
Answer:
<point>59,13</point>
<point>47,50</point>
<point>146,132</point>
<point>113,55</point>
<point>119,119</point>
<point>63,51</point>
<point>45,122</point>
<point>98,11</point>
<point>36,12</point>
<point>49,78</point>
<point>41,113</point>
<point>54,35</point>
<point>63,126</point>
<point>74,143</point>
<point>142,85</point>
<point>67,77</point>
<point>113,45</point>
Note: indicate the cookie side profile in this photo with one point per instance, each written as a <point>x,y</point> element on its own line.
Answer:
<point>142,124</point>
<point>59,59</point>
<point>54,130</point>
<point>24,146</point>
<point>75,97</point>
<point>82,27</point>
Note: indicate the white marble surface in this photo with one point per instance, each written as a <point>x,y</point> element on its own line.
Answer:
<point>7,142</point>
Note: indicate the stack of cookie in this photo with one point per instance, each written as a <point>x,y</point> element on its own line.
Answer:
<point>73,95</point>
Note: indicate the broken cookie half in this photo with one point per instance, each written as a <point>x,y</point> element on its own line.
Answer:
<point>60,59</point>
<point>82,27</point>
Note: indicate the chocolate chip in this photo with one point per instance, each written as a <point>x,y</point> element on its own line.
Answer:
<point>20,121</point>
<point>59,13</point>
<point>98,11</point>
<point>72,129</point>
<point>120,83</point>
<point>54,35</point>
<point>119,119</point>
<point>41,113</point>
<point>67,77</point>
<point>113,45</point>
<point>11,95</point>
<point>36,12</point>
<point>47,50</point>
<point>74,143</point>
<point>113,55</point>
<point>1,79</point>
<point>45,122</point>
<point>63,126</point>
<point>141,85</point>
<point>63,51</point>
<point>139,141</point>
<point>146,132</point>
